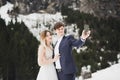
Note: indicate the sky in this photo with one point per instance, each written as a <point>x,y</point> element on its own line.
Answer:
<point>31,20</point>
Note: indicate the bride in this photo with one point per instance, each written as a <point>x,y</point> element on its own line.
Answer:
<point>45,51</point>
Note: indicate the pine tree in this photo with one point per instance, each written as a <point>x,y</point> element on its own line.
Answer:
<point>18,52</point>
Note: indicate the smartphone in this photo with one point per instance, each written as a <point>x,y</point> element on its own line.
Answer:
<point>86,28</point>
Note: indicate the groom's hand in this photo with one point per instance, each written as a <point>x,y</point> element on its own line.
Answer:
<point>57,56</point>
<point>85,34</point>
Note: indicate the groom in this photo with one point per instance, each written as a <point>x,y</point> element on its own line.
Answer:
<point>65,66</point>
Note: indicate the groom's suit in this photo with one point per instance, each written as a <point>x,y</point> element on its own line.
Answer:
<point>66,59</point>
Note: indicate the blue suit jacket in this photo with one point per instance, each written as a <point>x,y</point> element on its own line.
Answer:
<point>65,50</point>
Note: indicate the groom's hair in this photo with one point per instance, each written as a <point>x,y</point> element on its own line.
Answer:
<point>58,25</point>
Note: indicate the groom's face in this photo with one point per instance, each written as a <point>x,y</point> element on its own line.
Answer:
<point>60,31</point>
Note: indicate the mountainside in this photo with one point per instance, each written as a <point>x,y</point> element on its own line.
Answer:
<point>28,6</point>
<point>35,22</point>
<point>101,8</point>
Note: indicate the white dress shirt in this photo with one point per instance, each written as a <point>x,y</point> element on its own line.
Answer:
<point>56,51</point>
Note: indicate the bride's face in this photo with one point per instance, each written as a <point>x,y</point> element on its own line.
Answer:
<point>48,37</point>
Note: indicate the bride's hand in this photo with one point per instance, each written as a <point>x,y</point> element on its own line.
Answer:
<point>56,57</point>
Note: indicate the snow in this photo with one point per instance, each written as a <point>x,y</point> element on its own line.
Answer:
<point>110,73</point>
<point>37,22</point>
<point>3,12</point>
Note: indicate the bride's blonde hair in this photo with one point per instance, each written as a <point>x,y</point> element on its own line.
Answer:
<point>43,35</point>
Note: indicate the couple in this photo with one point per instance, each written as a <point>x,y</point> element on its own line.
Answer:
<point>64,68</point>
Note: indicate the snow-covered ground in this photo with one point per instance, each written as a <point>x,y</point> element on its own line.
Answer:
<point>37,22</point>
<point>110,73</point>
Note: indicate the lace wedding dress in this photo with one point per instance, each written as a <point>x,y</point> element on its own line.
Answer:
<point>47,72</point>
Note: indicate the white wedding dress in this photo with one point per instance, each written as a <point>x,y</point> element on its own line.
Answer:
<point>47,72</point>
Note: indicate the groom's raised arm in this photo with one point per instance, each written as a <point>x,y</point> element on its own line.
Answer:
<point>76,42</point>
<point>79,42</point>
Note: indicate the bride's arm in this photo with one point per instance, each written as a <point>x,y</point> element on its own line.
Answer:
<point>42,58</point>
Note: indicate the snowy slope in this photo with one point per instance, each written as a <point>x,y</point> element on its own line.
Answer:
<point>110,73</point>
<point>35,21</point>
<point>3,12</point>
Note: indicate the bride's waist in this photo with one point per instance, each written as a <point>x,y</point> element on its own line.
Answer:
<point>47,65</point>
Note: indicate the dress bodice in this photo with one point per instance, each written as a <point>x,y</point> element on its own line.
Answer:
<point>49,53</point>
